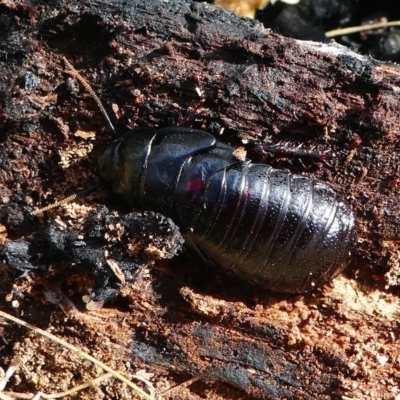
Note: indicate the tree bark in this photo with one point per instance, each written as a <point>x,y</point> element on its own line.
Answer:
<point>145,59</point>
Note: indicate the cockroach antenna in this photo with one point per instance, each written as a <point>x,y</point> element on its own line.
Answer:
<point>64,201</point>
<point>89,89</point>
<point>94,96</point>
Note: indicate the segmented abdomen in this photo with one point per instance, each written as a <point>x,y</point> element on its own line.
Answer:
<point>272,228</point>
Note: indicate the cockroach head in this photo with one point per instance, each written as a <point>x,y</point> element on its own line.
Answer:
<point>110,165</point>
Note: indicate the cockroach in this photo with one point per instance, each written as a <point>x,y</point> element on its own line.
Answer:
<point>272,228</point>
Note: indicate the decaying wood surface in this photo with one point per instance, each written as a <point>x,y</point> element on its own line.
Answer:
<point>179,321</point>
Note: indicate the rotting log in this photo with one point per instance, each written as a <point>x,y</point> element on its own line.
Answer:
<point>144,59</point>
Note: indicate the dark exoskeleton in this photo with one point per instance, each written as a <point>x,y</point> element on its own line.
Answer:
<point>277,230</point>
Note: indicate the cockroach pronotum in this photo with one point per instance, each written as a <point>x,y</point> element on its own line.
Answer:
<point>275,229</point>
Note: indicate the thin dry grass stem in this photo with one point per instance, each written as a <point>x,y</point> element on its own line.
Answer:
<point>40,395</point>
<point>153,391</point>
<point>361,28</point>
<point>93,382</point>
<point>82,354</point>
<point>181,385</point>
<point>20,396</point>
<point>3,396</point>
<point>78,388</point>
<point>9,373</point>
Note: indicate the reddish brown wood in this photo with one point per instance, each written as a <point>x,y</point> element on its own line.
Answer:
<point>143,58</point>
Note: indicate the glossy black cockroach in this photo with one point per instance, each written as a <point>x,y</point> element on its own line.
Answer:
<point>272,228</point>
<point>268,226</point>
